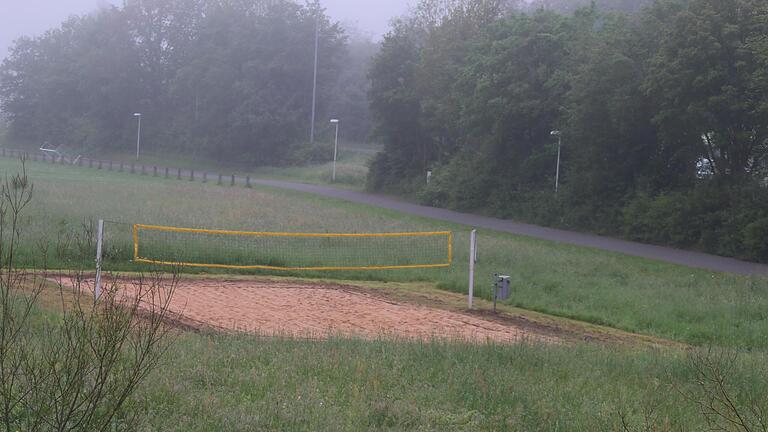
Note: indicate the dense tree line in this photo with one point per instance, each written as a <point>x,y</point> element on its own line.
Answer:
<point>663,117</point>
<point>226,79</point>
<point>568,7</point>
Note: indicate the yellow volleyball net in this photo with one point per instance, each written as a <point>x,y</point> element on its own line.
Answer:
<point>242,250</point>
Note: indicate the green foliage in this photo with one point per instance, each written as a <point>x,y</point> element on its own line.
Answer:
<point>223,80</point>
<point>726,221</point>
<point>318,153</point>
<point>396,110</point>
<point>755,235</point>
<point>662,117</point>
<point>349,98</point>
<point>706,79</point>
<point>571,6</point>
<point>74,369</point>
<point>459,184</point>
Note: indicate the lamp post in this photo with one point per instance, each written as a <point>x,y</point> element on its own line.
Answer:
<point>559,136</point>
<point>335,148</point>
<point>138,135</point>
<point>314,79</point>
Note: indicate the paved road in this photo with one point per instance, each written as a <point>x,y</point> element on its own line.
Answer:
<point>676,256</point>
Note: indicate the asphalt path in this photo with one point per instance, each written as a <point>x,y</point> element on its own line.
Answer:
<point>659,253</point>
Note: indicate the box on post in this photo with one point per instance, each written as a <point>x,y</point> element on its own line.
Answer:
<point>503,290</point>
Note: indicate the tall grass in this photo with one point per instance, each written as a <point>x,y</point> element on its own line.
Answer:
<point>633,294</point>
<point>213,383</point>
<point>238,382</point>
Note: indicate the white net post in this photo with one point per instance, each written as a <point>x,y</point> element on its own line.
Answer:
<point>472,261</point>
<point>99,242</point>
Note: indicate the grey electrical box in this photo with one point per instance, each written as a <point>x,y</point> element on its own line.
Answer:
<point>503,290</point>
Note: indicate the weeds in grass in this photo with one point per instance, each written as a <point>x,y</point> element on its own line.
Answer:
<point>725,405</point>
<point>78,369</point>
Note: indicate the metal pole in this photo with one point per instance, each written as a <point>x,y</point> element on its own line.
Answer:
<point>557,174</point>
<point>472,260</point>
<point>99,241</point>
<point>314,81</point>
<point>335,152</point>
<point>138,139</point>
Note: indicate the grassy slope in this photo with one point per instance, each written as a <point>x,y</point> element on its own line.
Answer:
<point>213,383</point>
<point>219,382</point>
<point>351,167</point>
<point>632,294</point>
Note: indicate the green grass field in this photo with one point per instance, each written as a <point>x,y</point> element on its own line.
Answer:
<point>219,382</point>
<point>633,294</point>
<point>212,383</point>
<point>351,167</point>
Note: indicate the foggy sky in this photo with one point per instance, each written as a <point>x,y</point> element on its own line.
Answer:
<point>33,17</point>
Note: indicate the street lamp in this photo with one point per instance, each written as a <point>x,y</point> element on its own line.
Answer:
<point>335,148</point>
<point>138,135</point>
<point>559,145</point>
<point>314,79</point>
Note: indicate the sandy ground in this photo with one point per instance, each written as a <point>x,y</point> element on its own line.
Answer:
<point>303,310</point>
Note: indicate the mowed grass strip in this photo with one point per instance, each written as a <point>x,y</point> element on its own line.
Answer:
<point>633,294</point>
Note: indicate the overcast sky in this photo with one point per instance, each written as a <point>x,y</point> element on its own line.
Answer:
<point>32,17</point>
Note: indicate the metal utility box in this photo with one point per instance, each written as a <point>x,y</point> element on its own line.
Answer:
<point>503,290</point>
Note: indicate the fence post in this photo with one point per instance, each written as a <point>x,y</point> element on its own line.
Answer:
<point>472,261</point>
<point>100,162</point>
<point>178,173</point>
<point>166,172</point>
<point>110,165</point>
<point>205,177</point>
<point>99,241</point>
<point>121,166</point>
<point>154,171</point>
<point>220,181</point>
<point>191,175</point>
<point>133,168</point>
<point>248,181</point>
<point>233,180</point>
<point>143,171</point>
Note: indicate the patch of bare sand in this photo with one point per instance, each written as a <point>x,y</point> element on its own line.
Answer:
<point>304,310</point>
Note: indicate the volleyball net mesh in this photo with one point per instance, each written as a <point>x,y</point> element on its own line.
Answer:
<point>186,247</point>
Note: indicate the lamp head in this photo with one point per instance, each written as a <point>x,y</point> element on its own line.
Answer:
<point>555,133</point>
<point>137,114</point>
<point>334,121</point>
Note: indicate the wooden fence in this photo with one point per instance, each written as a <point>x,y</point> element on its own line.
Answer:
<point>120,166</point>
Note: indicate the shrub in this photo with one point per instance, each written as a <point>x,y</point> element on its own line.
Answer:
<point>316,154</point>
<point>756,240</point>
<point>77,369</point>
